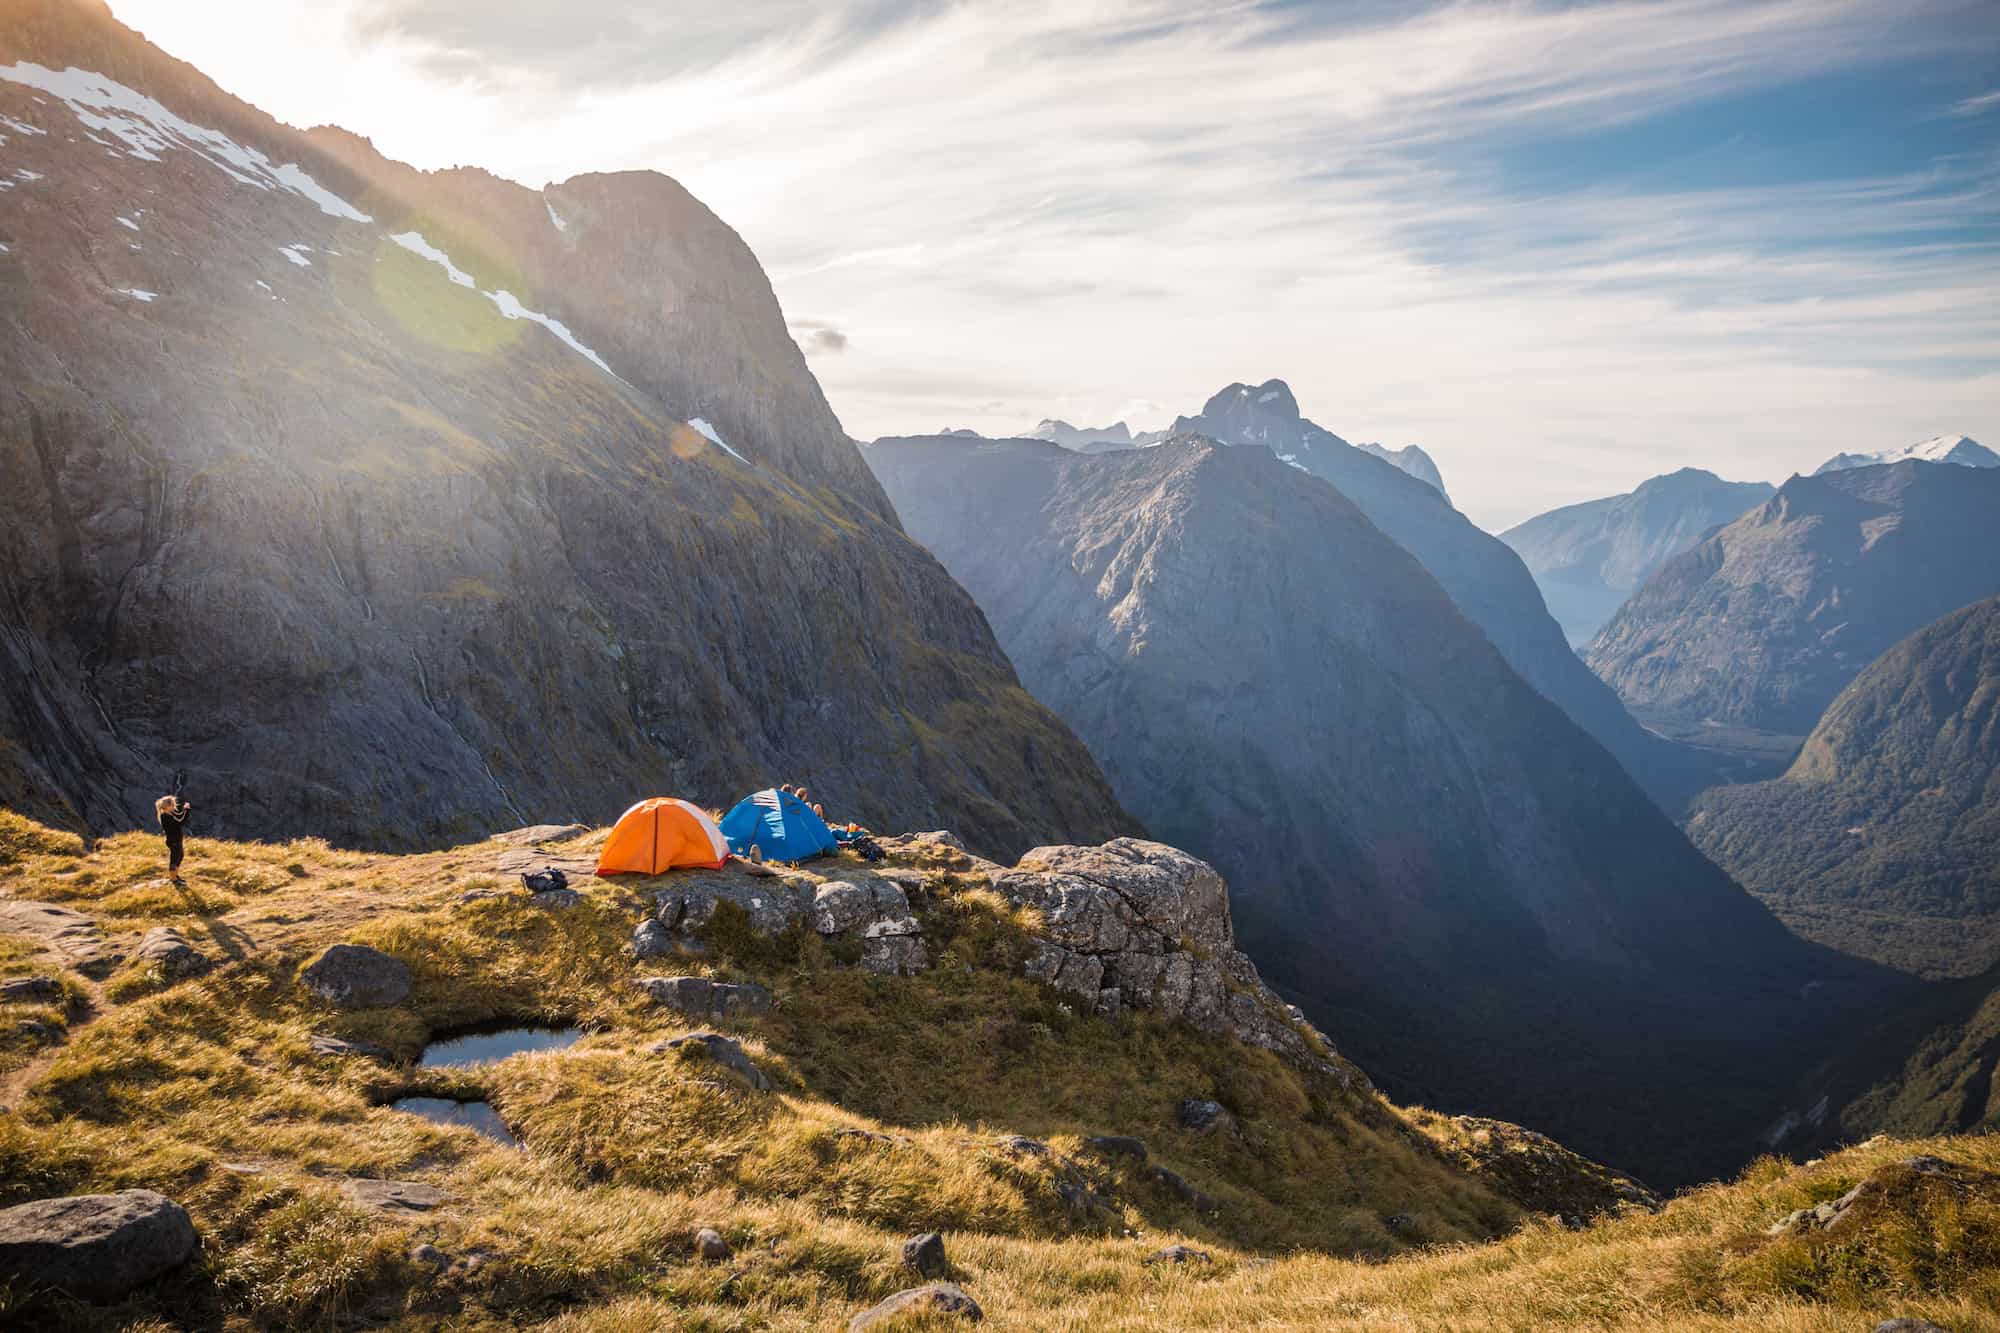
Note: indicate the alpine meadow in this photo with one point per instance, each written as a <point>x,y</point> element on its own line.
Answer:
<point>645,683</point>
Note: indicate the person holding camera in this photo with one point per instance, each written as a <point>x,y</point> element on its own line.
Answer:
<point>173,813</point>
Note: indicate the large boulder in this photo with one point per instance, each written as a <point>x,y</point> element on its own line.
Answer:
<point>97,1246</point>
<point>354,976</point>
<point>1140,923</point>
<point>938,1298</point>
<point>1175,895</point>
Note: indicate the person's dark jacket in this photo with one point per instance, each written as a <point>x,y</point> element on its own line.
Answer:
<point>174,826</point>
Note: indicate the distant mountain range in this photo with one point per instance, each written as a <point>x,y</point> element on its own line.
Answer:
<point>1091,439</point>
<point>1097,439</point>
<point>1960,449</point>
<point>1588,558</point>
<point>1484,578</point>
<point>1426,850</point>
<point>1883,839</point>
<point>1763,623</point>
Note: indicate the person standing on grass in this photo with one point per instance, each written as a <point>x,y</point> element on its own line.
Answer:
<point>173,813</point>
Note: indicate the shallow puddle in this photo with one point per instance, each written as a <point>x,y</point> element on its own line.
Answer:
<point>469,1049</point>
<point>470,1115</point>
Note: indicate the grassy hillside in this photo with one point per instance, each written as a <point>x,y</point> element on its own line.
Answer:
<point>1883,837</point>
<point>1330,1207</point>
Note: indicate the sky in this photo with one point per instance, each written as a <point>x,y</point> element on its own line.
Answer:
<point>1562,246</point>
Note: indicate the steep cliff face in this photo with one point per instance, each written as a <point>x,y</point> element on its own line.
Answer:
<point>1442,868</point>
<point>1762,624</point>
<point>1484,579</point>
<point>1883,839</point>
<point>394,507</point>
<point>1588,558</point>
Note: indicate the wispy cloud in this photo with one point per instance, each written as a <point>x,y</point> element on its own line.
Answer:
<point>817,337</point>
<point>1973,106</point>
<point>1040,209</point>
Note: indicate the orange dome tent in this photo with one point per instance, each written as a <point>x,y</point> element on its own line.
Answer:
<point>658,834</point>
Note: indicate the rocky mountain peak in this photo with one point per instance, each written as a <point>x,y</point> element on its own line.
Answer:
<point>1249,414</point>
<point>1962,450</point>
<point>1802,592</point>
<point>1117,435</point>
<point>481,495</point>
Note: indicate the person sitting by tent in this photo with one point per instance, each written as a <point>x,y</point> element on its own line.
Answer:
<point>776,825</point>
<point>173,813</point>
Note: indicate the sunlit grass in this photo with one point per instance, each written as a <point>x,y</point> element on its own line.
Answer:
<point>1336,1210</point>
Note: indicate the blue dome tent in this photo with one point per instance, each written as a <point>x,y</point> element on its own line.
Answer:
<point>778,824</point>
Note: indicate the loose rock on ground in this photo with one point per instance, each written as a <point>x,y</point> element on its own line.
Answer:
<point>168,950</point>
<point>97,1246</point>
<point>354,976</point>
<point>725,1051</point>
<point>937,1298</point>
<point>1179,1254</point>
<point>925,1253</point>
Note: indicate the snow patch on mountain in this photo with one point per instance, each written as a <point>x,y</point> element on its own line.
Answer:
<point>512,308</point>
<point>137,293</point>
<point>147,129</point>
<point>509,305</point>
<point>716,439</point>
<point>417,245</point>
<point>1962,450</point>
<point>555,217</point>
<point>295,253</point>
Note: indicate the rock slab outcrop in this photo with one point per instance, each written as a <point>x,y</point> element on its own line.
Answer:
<point>394,1196</point>
<point>873,910</point>
<point>1143,924</point>
<point>75,938</point>
<point>698,997</point>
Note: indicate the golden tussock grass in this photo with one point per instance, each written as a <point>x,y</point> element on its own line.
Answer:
<point>893,1100</point>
